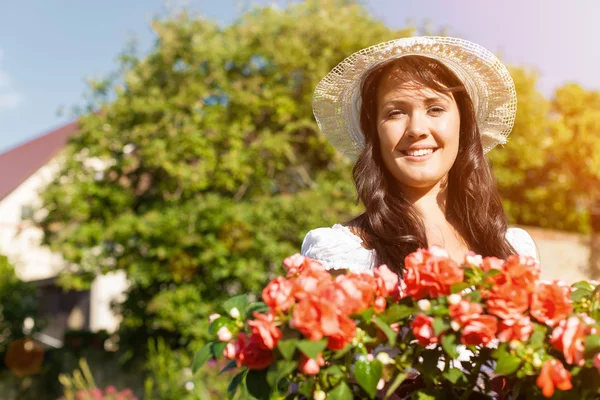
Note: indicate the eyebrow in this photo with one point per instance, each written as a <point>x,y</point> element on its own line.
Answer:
<point>427,100</point>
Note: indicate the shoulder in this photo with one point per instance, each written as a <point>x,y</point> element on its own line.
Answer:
<point>337,248</point>
<point>522,242</point>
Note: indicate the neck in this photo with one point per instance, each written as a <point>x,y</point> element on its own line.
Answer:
<point>430,201</point>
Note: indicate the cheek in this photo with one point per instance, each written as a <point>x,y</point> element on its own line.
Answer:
<point>388,136</point>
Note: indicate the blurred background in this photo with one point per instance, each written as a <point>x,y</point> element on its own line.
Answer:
<point>157,158</point>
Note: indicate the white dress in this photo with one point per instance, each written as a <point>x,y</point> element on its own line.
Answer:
<point>338,248</point>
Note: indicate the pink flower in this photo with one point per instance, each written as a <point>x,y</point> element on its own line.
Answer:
<point>430,273</point>
<point>254,355</point>
<point>212,317</point>
<point>422,326</point>
<point>232,350</point>
<point>110,390</point>
<point>479,330</point>
<point>279,294</point>
<point>553,375</point>
<point>387,282</point>
<point>310,366</point>
<point>568,337</point>
<point>515,329</point>
<point>551,302</point>
<point>264,328</point>
<point>224,334</point>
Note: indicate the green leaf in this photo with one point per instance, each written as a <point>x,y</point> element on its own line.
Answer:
<point>240,302</point>
<point>396,313</point>
<point>453,375</point>
<point>306,387</point>
<point>580,294</point>
<point>341,353</point>
<point>202,356</point>
<point>423,394</point>
<point>312,348</point>
<point>459,287</point>
<point>217,349</point>
<point>367,314</point>
<point>430,364</point>
<point>258,307</point>
<point>367,374</point>
<point>592,344</point>
<point>340,392</point>
<point>230,365</point>
<point>385,328</point>
<point>537,338</point>
<point>218,323</point>
<point>507,364</point>
<point>280,370</point>
<point>449,345</point>
<point>583,285</point>
<point>287,348</point>
<point>257,384</point>
<point>235,382</point>
<point>334,370</point>
<point>474,296</point>
<point>395,384</point>
<point>439,326</point>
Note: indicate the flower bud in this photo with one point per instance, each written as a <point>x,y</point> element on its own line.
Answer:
<point>234,312</point>
<point>319,395</point>
<point>454,299</point>
<point>370,357</point>
<point>514,344</point>
<point>424,305</point>
<point>455,326</point>
<point>537,361</point>
<point>224,334</point>
<point>380,384</point>
<point>212,317</point>
<point>384,358</point>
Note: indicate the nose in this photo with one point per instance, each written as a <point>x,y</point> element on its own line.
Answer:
<point>417,126</point>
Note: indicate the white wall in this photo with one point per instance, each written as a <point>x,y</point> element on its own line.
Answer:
<point>20,242</point>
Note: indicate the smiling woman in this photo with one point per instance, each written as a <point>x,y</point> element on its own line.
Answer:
<point>424,112</point>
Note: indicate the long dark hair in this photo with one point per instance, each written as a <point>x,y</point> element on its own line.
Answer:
<point>390,225</point>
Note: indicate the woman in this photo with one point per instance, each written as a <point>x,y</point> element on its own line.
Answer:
<point>417,115</point>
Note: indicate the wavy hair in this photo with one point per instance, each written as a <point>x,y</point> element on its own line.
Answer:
<point>390,224</point>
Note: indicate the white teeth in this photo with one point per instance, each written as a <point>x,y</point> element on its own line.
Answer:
<point>421,152</point>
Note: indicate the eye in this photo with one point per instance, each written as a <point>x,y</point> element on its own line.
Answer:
<point>395,113</point>
<point>436,110</point>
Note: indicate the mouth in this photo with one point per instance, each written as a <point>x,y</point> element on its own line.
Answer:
<point>420,153</point>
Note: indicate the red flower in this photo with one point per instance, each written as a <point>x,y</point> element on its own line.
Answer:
<point>464,310</point>
<point>515,329</point>
<point>479,330</point>
<point>507,301</point>
<point>264,329</point>
<point>568,337</point>
<point>597,361</point>
<point>492,263</point>
<point>387,282</point>
<point>310,366</point>
<point>551,302</point>
<point>279,294</point>
<point>422,327</point>
<point>353,293</point>
<point>430,273</point>
<point>254,355</point>
<point>522,271</point>
<point>232,350</point>
<point>553,375</point>
<point>345,334</point>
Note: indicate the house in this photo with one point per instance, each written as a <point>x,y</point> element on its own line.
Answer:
<point>26,169</point>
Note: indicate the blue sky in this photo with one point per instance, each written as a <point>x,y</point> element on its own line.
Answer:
<point>48,48</point>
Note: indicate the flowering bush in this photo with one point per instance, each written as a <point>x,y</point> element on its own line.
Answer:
<point>109,393</point>
<point>488,327</point>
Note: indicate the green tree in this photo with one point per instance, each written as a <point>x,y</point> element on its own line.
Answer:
<point>535,189</point>
<point>576,129</point>
<point>18,302</point>
<point>202,167</point>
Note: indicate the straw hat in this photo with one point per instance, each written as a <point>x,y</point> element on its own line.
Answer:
<point>336,100</point>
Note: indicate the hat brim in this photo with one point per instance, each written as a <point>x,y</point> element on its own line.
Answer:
<point>336,100</point>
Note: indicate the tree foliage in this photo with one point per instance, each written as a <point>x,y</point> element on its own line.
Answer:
<point>203,166</point>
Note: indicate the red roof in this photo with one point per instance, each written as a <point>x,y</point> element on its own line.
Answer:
<point>19,163</point>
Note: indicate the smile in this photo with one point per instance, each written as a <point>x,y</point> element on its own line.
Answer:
<point>418,155</point>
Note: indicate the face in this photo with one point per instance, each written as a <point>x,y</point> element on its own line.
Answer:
<point>418,131</point>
